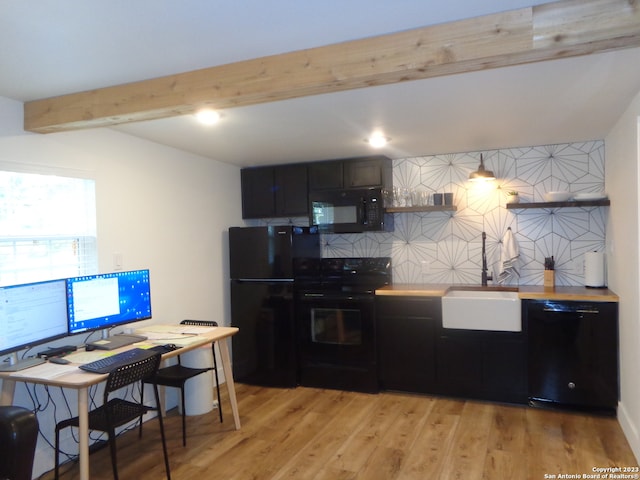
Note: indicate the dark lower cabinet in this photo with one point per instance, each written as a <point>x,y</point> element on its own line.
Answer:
<point>566,355</point>
<point>482,365</point>
<point>505,363</point>
<point>459,366</point>
<point>417,355</point>
<point>573,354</point>
<point>407,332</point>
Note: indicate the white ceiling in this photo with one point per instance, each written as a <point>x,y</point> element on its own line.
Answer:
<point>54,47</point>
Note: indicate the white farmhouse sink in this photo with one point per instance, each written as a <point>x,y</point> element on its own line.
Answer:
<point>494,310</point>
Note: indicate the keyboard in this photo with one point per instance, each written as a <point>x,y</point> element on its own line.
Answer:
<point>111,363</point>
<point>169,347</point>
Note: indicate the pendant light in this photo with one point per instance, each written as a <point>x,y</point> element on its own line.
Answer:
<point>481,173</point>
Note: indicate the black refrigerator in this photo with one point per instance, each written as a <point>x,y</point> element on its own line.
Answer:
<point>261,268</point>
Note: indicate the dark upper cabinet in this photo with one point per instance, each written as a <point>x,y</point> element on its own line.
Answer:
<point>258,199</point>
<point>367,172</point>
<point>359,172</point>
<point>291,190</point>
<point>274,191</point>
<point>283,190</point>
<point>323,175</point>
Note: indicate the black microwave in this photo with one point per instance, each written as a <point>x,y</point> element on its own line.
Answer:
<point>348,211</point>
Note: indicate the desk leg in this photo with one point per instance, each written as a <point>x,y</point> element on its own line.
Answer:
<point>228,377</point>
<point>83,432</point>
<point>8,390</point>
<point>163,394</point>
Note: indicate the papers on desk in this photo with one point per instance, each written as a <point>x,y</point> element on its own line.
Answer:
<point>178,334</point>
<point>82,356</point>
<point>47,370</point>
<point>177,329</point>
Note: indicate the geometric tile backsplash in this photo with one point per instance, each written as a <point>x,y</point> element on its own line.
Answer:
<point>445,247</point>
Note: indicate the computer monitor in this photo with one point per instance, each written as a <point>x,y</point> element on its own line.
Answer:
<point>31,314</point>
<point>100,302</point>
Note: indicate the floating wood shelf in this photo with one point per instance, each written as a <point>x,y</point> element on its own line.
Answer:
<point>430,208</point>
<point>583,203</point>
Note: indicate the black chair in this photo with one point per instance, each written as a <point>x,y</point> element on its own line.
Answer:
<point>176,376</point>
<point>18,438</point>
<point>116,412</point>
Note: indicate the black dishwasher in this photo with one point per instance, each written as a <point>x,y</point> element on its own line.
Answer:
<point>573,354</point>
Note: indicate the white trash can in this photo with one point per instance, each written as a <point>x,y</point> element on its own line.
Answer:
<point>198,391</point>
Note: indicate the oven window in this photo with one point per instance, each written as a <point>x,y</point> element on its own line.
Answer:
<point>337,326</point>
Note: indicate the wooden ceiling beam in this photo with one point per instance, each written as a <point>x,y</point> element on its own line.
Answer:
<point>545,32</point>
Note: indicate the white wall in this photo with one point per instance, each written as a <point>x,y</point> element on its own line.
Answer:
<point>622,181</point>
<point>161,208</point>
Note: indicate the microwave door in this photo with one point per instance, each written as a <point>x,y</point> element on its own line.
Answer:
<point>346,214</point>
<point>336,217</point>
<point>321,213</point>
<point>346,211</point>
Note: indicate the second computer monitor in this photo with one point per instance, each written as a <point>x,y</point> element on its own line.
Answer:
<point>97,302</point>
<point>32,314</point>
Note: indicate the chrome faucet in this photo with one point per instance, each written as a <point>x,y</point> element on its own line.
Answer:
<point>485,277</point>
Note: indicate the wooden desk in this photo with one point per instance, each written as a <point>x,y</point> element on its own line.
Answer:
<point>81,381</point>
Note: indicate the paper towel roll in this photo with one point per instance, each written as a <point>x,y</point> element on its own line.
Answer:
<point>594,269</point>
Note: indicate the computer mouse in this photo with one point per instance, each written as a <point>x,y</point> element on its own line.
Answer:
<point>58,360</point>
<point>89,348</point>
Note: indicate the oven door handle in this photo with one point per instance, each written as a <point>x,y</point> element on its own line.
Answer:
<point>310,297</point>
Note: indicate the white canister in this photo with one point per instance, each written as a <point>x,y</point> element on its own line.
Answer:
<point>594,269</point>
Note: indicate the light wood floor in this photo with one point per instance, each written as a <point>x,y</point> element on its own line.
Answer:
<point>307,433</point>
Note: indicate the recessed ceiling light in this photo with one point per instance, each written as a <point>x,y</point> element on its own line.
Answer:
<point>377,140</point>
<point>208,116</point>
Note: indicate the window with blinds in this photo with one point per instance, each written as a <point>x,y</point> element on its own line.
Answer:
<point>47,227</point>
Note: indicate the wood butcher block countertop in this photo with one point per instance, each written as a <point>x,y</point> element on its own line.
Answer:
<point>525,292</point>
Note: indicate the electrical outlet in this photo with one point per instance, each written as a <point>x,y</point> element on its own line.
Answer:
<point>117,261</point>
<point>425,267</point>
<point>578,267</point>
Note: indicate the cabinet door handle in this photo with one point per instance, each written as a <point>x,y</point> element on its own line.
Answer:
<point>577,310</point>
